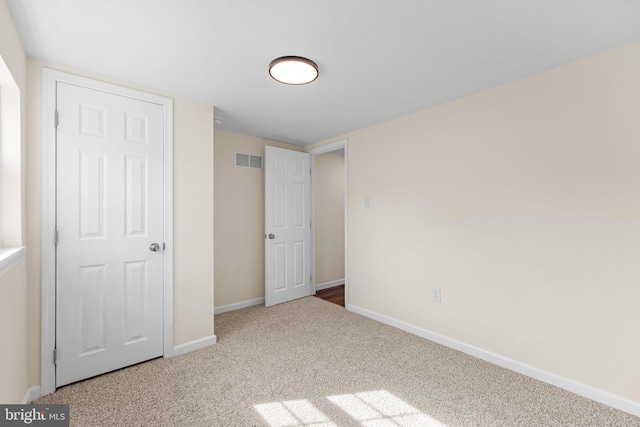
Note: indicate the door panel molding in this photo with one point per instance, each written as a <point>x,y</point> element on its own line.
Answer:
<point>50,78</point>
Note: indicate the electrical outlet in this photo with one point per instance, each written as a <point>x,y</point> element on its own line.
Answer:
<point>435,294</point>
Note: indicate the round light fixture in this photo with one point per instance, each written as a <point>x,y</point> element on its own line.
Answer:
<point>293,70</point>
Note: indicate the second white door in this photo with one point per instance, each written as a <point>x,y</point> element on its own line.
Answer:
<point>287,225</point>
<point>110,223</point>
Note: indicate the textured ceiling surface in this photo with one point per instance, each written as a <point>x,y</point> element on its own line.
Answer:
<point>378,59</point>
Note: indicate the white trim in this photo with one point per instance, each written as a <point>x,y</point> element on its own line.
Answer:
<point>330,284</point>
<point>9,257</point>
<point>32,394</point>
<point>47,367</point>
<point>238,305</point>
<point>346,221</point>
<point>327,148</point>
<point>168,227</point>
<point>194,345</point>
<point>49,83</point>
<point>312,246</point>
<point>621,403</point>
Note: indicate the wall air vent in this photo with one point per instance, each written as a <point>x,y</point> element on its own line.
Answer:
<point>246,160</point>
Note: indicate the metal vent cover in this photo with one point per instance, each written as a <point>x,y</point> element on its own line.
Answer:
<point>247,160</point>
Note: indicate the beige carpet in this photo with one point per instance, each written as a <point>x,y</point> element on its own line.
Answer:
<point>312,363</point>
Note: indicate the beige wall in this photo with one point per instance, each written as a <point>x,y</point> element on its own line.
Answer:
<point>193,220</point>
<point>14,332</point>
<point>193,213</point>
<point>239,219</point>
<point>522,203</point>
<point>329,217</point>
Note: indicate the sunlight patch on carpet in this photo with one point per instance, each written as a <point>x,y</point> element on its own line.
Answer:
<point>378,408</point>
<point>381,409</point>
<point>293,413</point>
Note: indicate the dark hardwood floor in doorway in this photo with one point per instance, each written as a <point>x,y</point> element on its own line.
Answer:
<point>334,294</point>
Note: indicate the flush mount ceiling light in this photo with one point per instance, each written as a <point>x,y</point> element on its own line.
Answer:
<point>293,70</point>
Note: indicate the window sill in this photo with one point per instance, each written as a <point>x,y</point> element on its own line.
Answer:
<point>9,257</point>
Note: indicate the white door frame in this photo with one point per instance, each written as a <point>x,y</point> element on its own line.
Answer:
<point>342,144</point>
<point>50,78</point>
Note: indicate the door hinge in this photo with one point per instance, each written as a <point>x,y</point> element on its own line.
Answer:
<point>55,237</point>
<point>55,356</point>
<point>164,246</point>
<point>55,119</point>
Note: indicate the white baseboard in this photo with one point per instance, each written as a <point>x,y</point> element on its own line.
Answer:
<point>330,284</point>
<point>32,394</point>
<point>238,305</point>
<point>194,345</point>
<point>621,403</point>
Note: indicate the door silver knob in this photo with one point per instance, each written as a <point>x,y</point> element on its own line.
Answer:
<point>271,236</point>
<point>154,247</point>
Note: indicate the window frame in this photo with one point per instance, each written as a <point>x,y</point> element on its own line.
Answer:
<point>10,139</point>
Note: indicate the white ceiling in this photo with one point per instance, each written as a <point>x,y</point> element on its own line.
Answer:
<point>378,59</point>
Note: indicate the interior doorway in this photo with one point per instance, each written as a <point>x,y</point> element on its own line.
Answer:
<point>114,146</point>
<point>330,219</point>
<point>287,217</point>
<point>109,286</point>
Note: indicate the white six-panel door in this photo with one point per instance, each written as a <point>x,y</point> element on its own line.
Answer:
<point>109,281</point>
<point>287,225</point>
